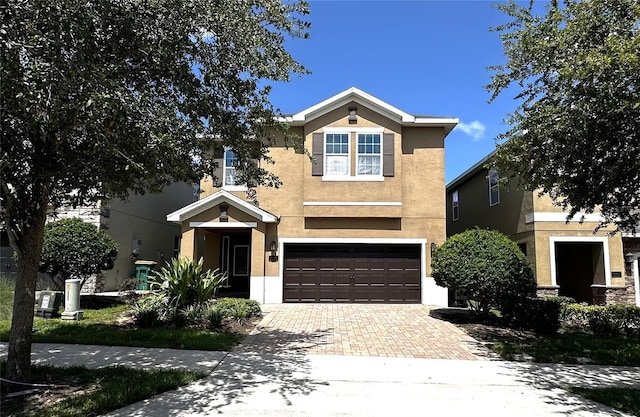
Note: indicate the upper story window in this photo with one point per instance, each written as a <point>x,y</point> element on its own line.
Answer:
<point>336,154</point>
<point>353,154</point>
<point>230,166</point>
<point>494,188</point>
<point>455,206</point>
<point>369,154</point>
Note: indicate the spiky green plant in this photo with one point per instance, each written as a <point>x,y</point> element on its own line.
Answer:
<point>182,283</point>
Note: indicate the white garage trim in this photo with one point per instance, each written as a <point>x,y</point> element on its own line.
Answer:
<point>430,293</point>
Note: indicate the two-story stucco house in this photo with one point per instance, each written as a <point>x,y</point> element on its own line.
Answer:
<point>567,257</point>
<point>357,224</point>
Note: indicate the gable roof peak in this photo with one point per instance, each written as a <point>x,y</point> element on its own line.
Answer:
<point>354,94</point>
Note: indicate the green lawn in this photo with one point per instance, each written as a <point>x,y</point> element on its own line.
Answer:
<point>100,327</point>
<point>95,391</point>
<point>623,399</point>
<point>574,348</point>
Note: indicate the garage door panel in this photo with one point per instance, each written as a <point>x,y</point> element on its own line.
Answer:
<point>343,265</point>
<point>352,273</point>
<point>308,264</point>
<point>325,279</point>
<point>377,279</point>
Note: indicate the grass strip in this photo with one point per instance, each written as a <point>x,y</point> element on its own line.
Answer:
<point>99,391</point>
<point>574,348</point>
<point>626,400</point>
<point>100,327</point>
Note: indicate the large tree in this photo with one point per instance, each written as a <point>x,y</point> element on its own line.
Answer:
<point>102,98</point>
<point>575,133</point>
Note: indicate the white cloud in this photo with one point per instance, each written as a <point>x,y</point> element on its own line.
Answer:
<point>474,129</point>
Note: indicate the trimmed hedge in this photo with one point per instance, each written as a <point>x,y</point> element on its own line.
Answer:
<point>550,314</point>
<point>602,320</point>
<point>542,315</point>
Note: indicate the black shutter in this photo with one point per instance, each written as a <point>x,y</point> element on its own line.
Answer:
<point>388,162</point>
<point>317,151</point>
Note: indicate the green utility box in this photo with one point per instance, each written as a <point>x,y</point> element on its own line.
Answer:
<point>143,268</point>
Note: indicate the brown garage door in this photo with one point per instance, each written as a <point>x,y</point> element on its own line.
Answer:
<point>358,273</point>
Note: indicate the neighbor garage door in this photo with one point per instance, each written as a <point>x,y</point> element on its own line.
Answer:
<point>356,273</point>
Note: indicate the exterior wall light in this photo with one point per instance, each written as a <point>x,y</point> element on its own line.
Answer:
<point>433,248</point>
<point>273,247</point>
<point>629,257</point>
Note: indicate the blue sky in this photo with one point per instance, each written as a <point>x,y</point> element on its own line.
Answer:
<point>424,57</point>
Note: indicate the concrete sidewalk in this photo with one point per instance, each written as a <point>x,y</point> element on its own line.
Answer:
<point>251,384</point>
<point>310,385</point>
<point>96,356</point>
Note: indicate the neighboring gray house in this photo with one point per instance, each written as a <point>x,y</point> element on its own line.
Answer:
<point>138,225</point>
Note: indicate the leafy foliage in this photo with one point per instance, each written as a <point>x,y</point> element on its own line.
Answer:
<point>575,133</point>
<point>239,309</point>
<point>541,315</point>
<point>486,265</point>
<point>182,283</point>
<point>602,320</point>
<point>105,98</point>
<point>75,249</point>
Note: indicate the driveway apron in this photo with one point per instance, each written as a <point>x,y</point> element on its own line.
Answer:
<point>359,330</point>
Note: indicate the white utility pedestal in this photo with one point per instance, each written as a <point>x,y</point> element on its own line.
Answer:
<point>72,300</point>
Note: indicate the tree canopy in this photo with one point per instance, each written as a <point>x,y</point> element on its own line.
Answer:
<point>73,248</point>
<point>103,98</point>
<point>575,133</point>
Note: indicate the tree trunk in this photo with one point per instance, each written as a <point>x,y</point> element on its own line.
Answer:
<point>28,246</point>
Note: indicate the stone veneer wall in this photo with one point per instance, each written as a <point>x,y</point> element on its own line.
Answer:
<point>547,291</point>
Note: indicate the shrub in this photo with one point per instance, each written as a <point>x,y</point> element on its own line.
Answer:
<point>146,312</point>
<point>182,283</point>
<point>75,249</point>
<point>238,309</point>
<point>602,320</point>
<point>487,266</point>
<point>214,317</point>
<point>541,315</point>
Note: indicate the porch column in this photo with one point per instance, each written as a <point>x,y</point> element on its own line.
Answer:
<point>189,243</point>
<point>257,280</point>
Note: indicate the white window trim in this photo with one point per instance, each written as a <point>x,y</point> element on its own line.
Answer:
<point>577,239</point>
<point>455,204</point>
<point>497,186</point>
<point>324,153</point>
<point>350,131</point>
<point>224,174</point>
<point>369,154</point>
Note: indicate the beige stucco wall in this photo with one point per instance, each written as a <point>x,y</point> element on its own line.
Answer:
<point>546,230</point>
<point>416,189</point>
<point>509,216</point>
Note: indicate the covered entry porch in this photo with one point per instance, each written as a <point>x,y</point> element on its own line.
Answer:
<point>231,235</point>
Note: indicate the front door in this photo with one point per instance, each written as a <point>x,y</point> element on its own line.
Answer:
<point>235,260</point>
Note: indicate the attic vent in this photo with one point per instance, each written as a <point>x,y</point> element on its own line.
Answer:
<point>353,116</point>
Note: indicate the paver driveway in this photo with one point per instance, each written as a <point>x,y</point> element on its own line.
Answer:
<point>359,329</point>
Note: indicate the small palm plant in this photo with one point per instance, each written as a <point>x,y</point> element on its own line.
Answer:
<point>183,283</point>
